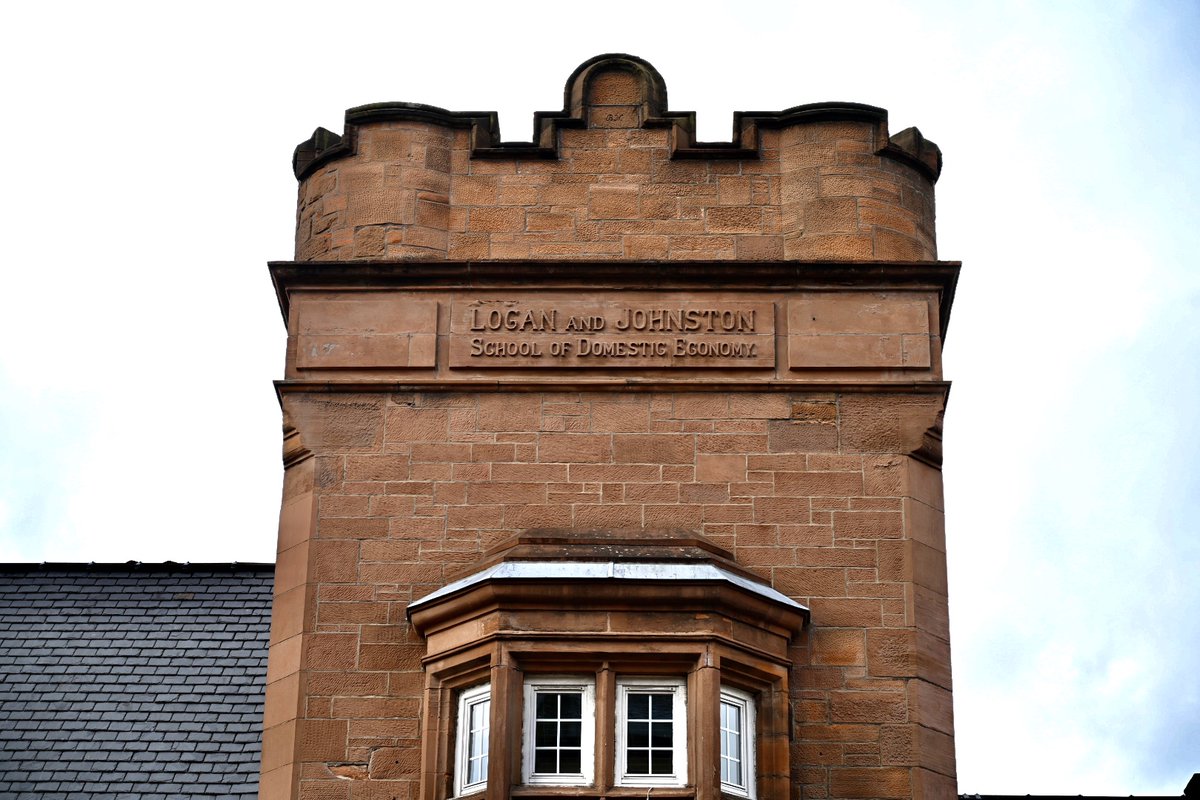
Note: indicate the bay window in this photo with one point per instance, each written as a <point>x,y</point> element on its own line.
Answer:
<point>650,737</point>
<point>593,667</point>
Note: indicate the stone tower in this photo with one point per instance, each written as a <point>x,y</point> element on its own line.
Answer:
<point>612,458</point>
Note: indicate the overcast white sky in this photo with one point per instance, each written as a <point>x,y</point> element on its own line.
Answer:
<point>146,183</point>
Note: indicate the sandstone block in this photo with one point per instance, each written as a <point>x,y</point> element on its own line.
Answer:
<point>858,782</point>
<point>653,448</point>
<point>734,219</point>
<point>321,739</point>
<point>868,707</point>
<point>395,762</point>
<point>485,219</point>
<point>800,437</point>
<point>891,653</point>
<point>842,647</point>
<point>613,202</point>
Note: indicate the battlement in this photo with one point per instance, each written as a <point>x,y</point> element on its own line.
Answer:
<point>616,174</point>
<point>591,87</point>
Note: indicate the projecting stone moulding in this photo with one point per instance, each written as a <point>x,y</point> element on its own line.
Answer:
<point>426,327</point>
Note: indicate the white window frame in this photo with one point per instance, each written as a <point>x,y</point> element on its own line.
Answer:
<point>467,700</point>
<point>587,756</point>
<point>746,749</point>
<point>677,687</point>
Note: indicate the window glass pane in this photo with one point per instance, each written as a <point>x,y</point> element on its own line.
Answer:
<point>572,705</point>
<point>639,734</point>
<point>547,705</point>
<point>569,761</point>
<point>479,714</point>
<point>543,761</point>
<point>661,706</point>
<point>546,734</point>
<point>638,762</point>
<point>660,734</point>
<point>478,770</point>
<point>660,762</point>
<point>569,734</point>
<point>478,729</point>
<point>639,706</point>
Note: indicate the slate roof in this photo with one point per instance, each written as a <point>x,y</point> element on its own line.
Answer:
<point>132,680</point>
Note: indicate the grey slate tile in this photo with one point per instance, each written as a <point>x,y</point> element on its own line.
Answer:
<point>132,680</point>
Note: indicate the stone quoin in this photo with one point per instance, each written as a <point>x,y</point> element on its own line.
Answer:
<point>612,459</point>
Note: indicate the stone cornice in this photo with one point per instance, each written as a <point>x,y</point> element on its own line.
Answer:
<point>919,432</point>
<point>908,147</point>
<point>779,275</point>
<point>937,388</point>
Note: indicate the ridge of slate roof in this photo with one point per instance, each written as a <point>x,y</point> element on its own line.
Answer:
<point>139,566</point>
<point>132,680</point>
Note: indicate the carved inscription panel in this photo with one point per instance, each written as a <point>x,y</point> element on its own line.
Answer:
<point>489,334</point>
<point>612,335</point>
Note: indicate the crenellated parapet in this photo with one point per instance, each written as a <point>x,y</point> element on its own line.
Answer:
<point>908,146</point>
<point>615,173</point>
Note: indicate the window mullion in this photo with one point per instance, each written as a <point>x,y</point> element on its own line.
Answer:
<point>606,726</point>
<point>504,765</point>
<point>705,735</point>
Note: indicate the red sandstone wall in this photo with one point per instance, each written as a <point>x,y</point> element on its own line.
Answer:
<point>827,492</point>
<point>806,489</point>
